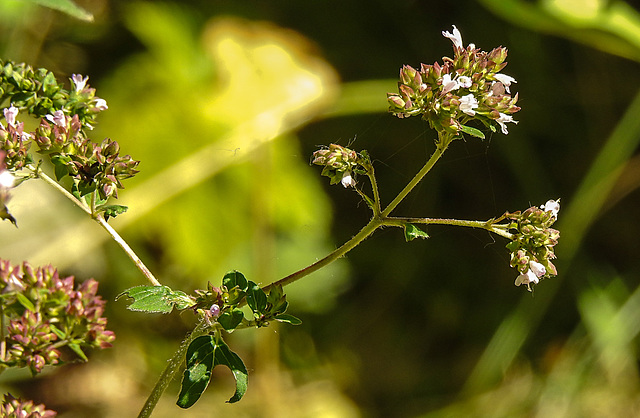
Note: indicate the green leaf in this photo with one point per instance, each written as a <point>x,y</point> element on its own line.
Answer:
<point>111,211</point>
<point>180,299</point>
<point>76,349</point>
<point>60,165</point>
<point>412,232</point>
<point>66,6</point>
<point>151,299</point>
<point>256,298</point>
<point>234,278</point>
<point>288,319</point>
<point>203,354</point>
<point>228,358</point>
<point>231,319</point>
<point>24,301</point>
<point>200,363</point>
<point>472,131</point>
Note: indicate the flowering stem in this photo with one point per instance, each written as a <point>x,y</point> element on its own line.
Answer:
<point>490,225</point>
<point>100,220</point>
<point>173,366</point>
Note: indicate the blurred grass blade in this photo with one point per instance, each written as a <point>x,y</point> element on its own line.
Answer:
<point>574,222</point>
<point>66,6</point>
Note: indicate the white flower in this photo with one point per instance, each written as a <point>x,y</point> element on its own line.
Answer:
<point>506,80</point>
<point>347,180</point>
<point>10,114</point>
<point>468,103</point>
<point>538,269</point>
<point>101,104</point>
<point>79,82</point>
<point>503,119</point>
<point>456,37</point>
<point>6,179</point>
<point>58,118</point>
<point>552,206</point>
<point>465,82</point>
<point>527,278</point>
<point>448,84</point>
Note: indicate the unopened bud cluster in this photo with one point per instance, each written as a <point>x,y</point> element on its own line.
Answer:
<point>93,166</point>
<point>532,248</point>
<point>17,408</point>
<point>448,95</point>
<point>46,312</point>
<point>340,164</point>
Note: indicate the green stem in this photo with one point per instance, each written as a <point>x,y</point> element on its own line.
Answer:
<point>127,249</point>
<point>379,219</point>
<point>441,147</point>
<point>364,233</point>
<point>491,226</point>
<point>171,369</point>
<point>100,220</point>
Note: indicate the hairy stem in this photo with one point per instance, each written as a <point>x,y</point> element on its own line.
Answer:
<point>331,257</point>
<point>127,249</point>
<point>173,366</point>
<point>100,220</point>
<point>491,226</point>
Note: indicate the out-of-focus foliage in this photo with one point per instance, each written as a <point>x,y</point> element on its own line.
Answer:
<point>214,98</point>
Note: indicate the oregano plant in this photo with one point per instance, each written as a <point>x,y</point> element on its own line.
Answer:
<point>463,96</point>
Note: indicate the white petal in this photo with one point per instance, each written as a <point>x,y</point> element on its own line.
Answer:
<point>468,103</point>
<point>552,206</point>
<point>538,269</point>
<point>347,180</point>
<point>456,37</point>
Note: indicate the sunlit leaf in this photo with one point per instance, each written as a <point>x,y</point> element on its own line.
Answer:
<point>233,279</point>
<point>290,319</point>
<point>256,298</point>
<point>203,354</point>
<point>151,299</point>
<point>412,232</point>
<point>200,363</point>
<point>472,131</point>
<point>228,358</point>
<point>231,319</point>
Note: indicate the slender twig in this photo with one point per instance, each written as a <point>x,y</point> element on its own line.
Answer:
<point>101,221</point>
<point>81,204</point>
<point>127,249</point>
<point>331,257</point>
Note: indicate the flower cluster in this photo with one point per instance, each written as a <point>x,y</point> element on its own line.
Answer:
<point>14,141</point>
<point>93,166</point>
<point>340,164</point>
<point>17,408</point>
<point>64,116</point>
<point>532,248</point>
<point>448,95</point>
<point>47,312</point>
<point>38,92</point>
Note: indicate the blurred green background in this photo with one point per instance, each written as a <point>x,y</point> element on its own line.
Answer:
<point>224,102</point>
